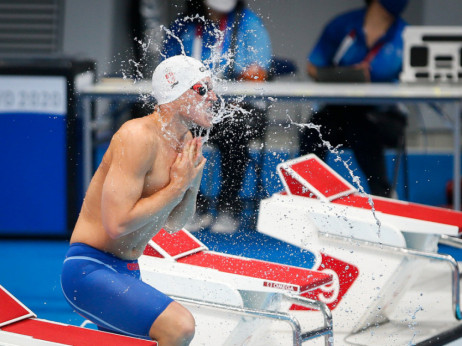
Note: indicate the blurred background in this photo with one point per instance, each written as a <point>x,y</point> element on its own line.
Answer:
<point>105,30</point>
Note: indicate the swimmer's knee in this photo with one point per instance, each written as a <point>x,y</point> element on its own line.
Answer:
<point>178,329</point>
<point>181,334</point>
<point>186,327</point>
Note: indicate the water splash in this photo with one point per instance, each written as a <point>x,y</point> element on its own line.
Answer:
<point>412,324</point>
<point>337,158</point>
<point>218,62</point>
<point>169,32</point>
<point>139,66</point>
<point>134,71</point>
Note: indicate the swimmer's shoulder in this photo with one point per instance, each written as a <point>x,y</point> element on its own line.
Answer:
<point>138,133</point>
<point>140,129</point>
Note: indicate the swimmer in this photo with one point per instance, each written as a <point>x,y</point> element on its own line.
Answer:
<point>148,180</point>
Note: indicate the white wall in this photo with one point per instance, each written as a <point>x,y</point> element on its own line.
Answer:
<point>97,30</point>
<point>442,12</point>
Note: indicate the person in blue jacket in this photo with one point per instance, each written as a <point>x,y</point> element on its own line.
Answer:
<point>233,42</point>
<point>370,40</point>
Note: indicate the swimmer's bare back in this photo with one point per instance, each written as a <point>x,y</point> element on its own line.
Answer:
<point>132,193</point>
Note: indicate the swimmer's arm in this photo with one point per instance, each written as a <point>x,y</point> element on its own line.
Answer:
<point>123,208</point>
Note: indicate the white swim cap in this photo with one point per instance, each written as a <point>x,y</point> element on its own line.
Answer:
<point>224,6</point>
<point>174,76</point>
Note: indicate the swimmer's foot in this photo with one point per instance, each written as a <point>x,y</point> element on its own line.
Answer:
<point>225,223</point>
<point>199,222</point>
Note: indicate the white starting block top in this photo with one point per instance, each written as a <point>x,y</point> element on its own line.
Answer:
<point>308,176</point>
<point>388,242</point>
<point>181,266</point>
<point>245,273</point>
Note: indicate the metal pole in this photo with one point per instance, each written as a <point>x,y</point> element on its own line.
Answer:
<point>282,316</point>
<point>327,330</point>
<point>410,252</point>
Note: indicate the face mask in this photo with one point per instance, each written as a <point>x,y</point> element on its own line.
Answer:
<point>395,7</point>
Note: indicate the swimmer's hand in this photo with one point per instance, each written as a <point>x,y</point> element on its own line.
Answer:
<point>197,151</point>
<point>188,164</point>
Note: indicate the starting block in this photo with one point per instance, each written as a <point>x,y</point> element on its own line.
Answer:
<point>385,244</point>
<point>180,265</point>
<point>308,176</point>
<point>184,248</point>
<point>20,326</point>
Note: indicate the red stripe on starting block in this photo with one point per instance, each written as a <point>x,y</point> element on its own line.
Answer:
<point>321,177</point>
<point>150,251</point>
<point>11,309</point>
<point>346,274</point>
<point>405,209</point>
<point>71,335</point>
<point>278,274</point>
<point>295,187</point>
<point>178,243</point>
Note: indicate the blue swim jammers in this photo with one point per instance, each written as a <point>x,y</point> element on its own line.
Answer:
<point>109,292</point>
